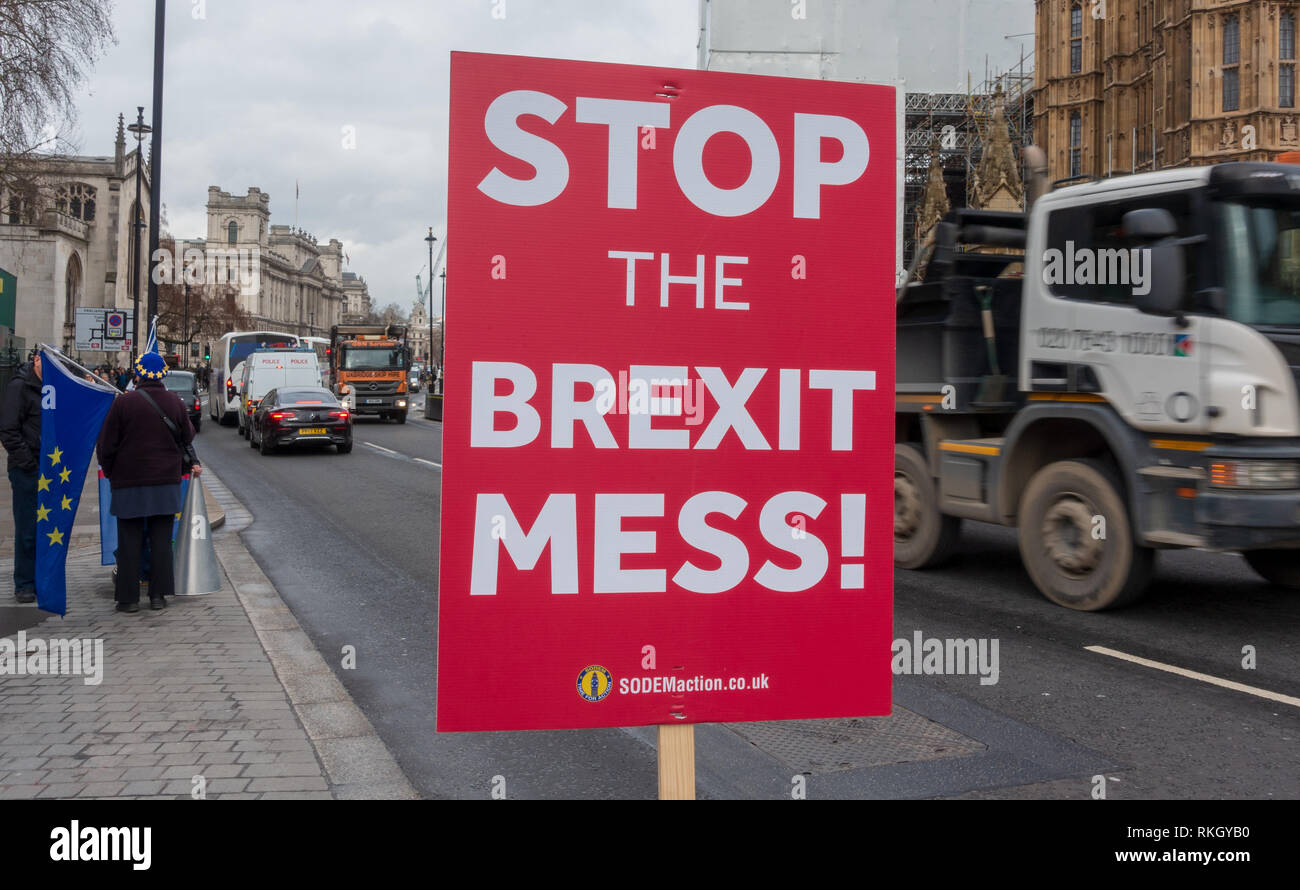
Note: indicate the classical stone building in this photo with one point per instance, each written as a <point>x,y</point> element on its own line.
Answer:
<point>418,333</point>
<point>65,234</point>
<point>356,306</point>
<point>1132,85</point>
<point>287,280</point>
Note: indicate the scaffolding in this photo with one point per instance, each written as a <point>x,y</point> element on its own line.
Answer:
<point>927,118</point>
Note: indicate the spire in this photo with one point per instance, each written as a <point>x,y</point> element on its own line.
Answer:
<point>119,148</point>
<point>934,200</point>
<point>998,171</point>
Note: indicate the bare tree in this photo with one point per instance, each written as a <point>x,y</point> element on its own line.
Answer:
<point>390,314</point>
<point>46,49</point>
<point>210,309</point>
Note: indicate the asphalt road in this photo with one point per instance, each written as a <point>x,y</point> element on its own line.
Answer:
<point>351,542</point>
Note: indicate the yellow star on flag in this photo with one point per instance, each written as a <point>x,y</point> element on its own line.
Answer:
<point>42,484</point>
<point>56,537</point>
<point>67,503</point>
<point>56,456</point>
<point>64,474</point>
<point>42,513</point>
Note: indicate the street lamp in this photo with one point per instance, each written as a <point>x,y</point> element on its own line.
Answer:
<point>187,324</point>
<point>431,239</point>
<point>139,130</point>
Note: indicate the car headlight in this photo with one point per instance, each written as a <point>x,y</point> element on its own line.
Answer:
<point>1263,474</point>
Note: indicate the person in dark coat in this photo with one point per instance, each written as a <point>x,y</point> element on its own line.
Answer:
<point>142,461</point>
<point>20,431</point>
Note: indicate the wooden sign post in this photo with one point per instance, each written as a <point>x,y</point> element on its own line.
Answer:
<point>677,761</point>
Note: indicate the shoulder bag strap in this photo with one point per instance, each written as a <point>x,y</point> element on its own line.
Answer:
<point>171,425</point>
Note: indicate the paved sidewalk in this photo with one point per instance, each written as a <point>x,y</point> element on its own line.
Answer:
<point>220,695</point>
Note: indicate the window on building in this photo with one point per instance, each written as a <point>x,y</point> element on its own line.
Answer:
<point>1076,38</point>
<point>1231,58</point>
<point>232,232</point>
<point>72,289</point>
<point>1076,143</point>
<point>1286,86</point>
<point>76,200</point>
<point>1286,36</point>
<point>1231,90</point>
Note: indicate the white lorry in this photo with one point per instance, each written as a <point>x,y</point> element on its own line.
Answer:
<point>1135,389</point>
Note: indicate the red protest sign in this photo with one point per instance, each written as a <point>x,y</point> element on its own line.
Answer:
<point>668,431</point>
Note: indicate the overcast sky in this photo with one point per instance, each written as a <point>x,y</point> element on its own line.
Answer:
<point>257,93</point>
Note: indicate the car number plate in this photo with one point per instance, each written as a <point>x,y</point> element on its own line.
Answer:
<point>312,431</point>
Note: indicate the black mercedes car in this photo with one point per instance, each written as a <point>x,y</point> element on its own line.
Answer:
<point>300,415</point>
<point>186,385</point>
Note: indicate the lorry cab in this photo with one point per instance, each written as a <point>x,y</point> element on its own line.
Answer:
<point>268,369</point>
<point>370,368</point>
<point>1234,326</point>
<point>1154,403</point>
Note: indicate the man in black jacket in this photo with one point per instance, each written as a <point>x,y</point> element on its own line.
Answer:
<point>20,431</point>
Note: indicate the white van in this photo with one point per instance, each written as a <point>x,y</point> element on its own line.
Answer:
<point>265,370</point>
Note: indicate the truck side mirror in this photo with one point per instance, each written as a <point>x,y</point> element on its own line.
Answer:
<point>1166,278</point>
<point>1149,224</point>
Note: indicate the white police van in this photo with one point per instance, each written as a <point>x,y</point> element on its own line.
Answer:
<point>268,369</point>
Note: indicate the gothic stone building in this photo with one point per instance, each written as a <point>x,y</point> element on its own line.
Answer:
<point>66,236</point>
<point>1132,85</point>
<point>287,280</point>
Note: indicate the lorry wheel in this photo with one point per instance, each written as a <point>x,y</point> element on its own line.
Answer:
<point>923,536</point>
<point>1076,541</point>
<point>1278,567</point>
<point>400,417</point>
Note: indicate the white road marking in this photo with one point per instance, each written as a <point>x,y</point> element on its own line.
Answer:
<point>399,454</point>
<point>1195,675</point>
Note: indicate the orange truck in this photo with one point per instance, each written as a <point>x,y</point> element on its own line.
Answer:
<point>369,367</point>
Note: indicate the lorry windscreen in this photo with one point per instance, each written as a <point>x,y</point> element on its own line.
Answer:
<point>1260,259</point>
<point>369,358</point>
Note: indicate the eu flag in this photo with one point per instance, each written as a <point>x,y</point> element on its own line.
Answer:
<point>72,412</point>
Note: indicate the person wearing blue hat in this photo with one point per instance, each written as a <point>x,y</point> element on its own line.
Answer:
<point>140,449</point>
